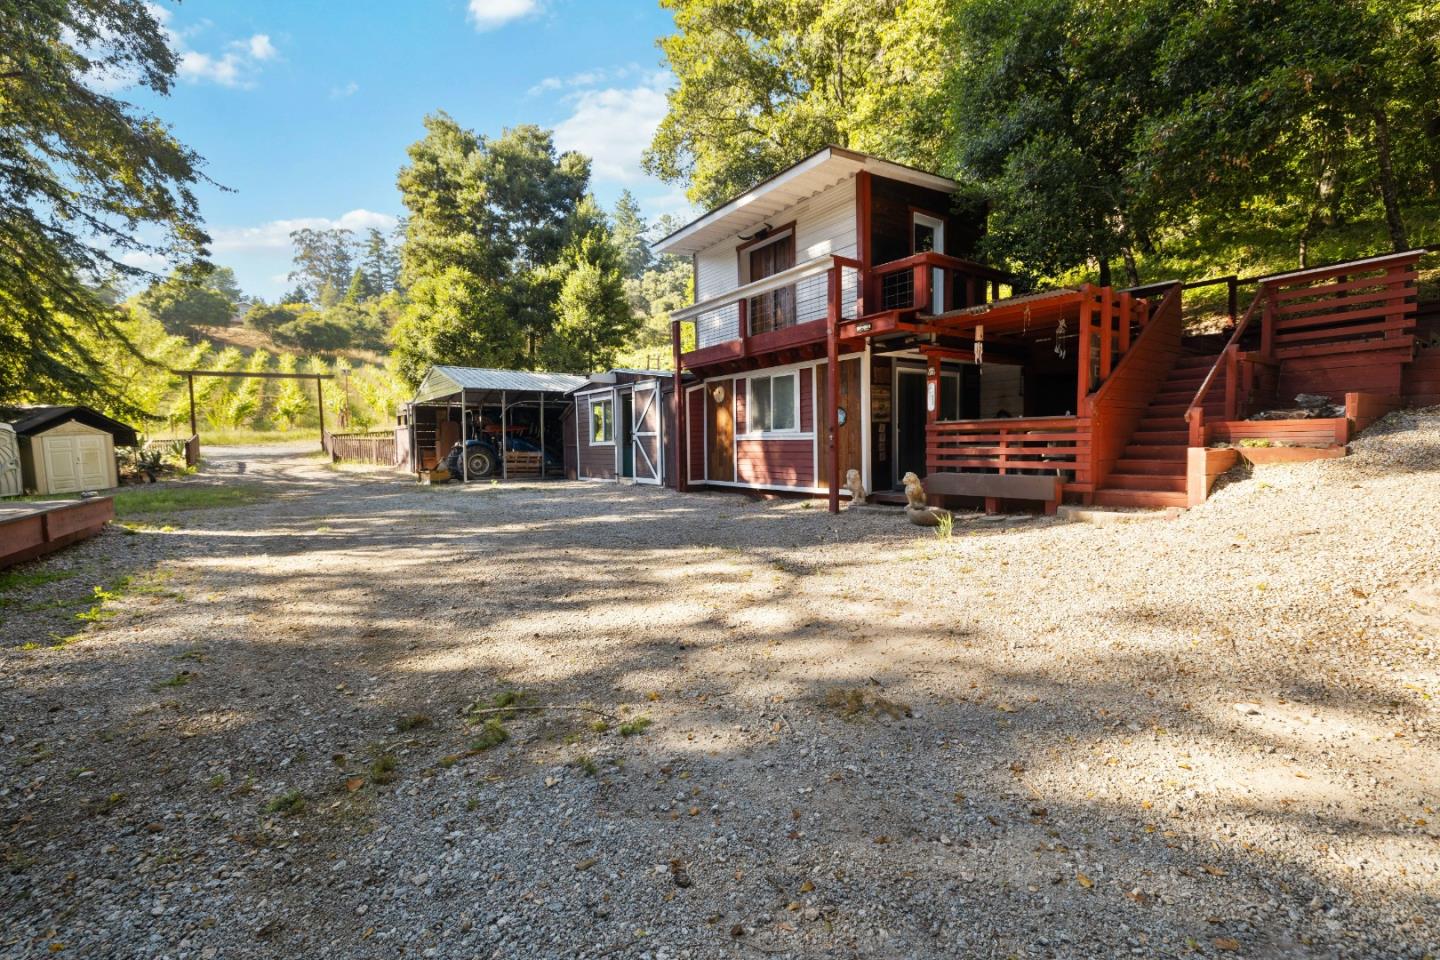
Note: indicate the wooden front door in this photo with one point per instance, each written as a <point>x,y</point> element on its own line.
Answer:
<point>776,309</point>
<point>720,429</point>
<point>847,441</point>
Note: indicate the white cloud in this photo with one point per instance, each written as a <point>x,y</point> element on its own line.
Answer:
<point>489,14</point>
<point>612,126</point>
<point>237,66</point>
<point>586,78</point>
<point>347,90</point>
<point>275,235</point>
<point>144,260</point>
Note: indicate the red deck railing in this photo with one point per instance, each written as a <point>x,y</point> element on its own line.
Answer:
<point>910,283</point>
<point>1030,445</point>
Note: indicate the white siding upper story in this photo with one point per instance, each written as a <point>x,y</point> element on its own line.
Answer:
<point>824,226</point>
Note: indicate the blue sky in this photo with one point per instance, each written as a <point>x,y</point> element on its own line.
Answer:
<point>304,110</point>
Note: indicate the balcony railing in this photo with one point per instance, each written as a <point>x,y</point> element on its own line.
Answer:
<point>772,307</point>
<point>932,283</point>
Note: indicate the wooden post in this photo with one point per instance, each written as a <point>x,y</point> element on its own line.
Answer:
<point>832,387</point>
<point>922,287</point>
<point>1107,333</point>
<point>682,433</point>
<point>464,440</point>
<point>542,435</point>
<point>863,253</point>
<point>1267,324</point>
<point>505,436</point>
<point>194,430</point>
<point>1232,285</point>
<point>1082,329</point>
<point>320,406</point>
<point>743,312</point>
<point>1232,380</point>
<point>1127,312</point>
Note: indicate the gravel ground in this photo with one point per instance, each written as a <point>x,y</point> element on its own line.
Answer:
<point>1208,736</point>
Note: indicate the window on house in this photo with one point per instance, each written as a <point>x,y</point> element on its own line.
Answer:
<point>602,415</point>
<point>774,310</point>
<point>773,404</point>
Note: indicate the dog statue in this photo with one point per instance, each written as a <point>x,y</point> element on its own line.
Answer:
<point>856,488</point>
<point>917,511</point>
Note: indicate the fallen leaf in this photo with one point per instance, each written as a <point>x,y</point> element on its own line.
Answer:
<point>587,863</point>
<point>1213,871</point>
<point>1228,944</point>
<point>807,887</point>
<point>1084,881</point>
<point>354,783</point>
<point>882,839</point>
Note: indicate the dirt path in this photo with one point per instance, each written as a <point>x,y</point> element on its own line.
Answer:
<point>1212,736</point>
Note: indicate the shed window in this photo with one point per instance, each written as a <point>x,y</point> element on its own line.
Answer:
<point>602,416</point>
<point>772,403</point>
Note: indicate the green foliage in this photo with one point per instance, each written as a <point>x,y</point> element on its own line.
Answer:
<point>497,226</point>
<point>630,229</point>
<point>492,733</point>
<point>80,172</point>
<point>266,318</point>
<point>635,727</point>
<point>313,330</point>
<point>323,263</point>
<point>182,305</point>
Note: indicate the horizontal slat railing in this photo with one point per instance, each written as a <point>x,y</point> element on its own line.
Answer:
<point>730,318</point>
<point>362,447</point>
<point>1031,445</point>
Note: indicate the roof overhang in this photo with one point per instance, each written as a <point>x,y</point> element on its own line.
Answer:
<point>443,382</point>
<point>816,173</point>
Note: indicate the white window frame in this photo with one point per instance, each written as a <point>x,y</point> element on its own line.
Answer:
<point>590,418</point>
<point>750,431</point>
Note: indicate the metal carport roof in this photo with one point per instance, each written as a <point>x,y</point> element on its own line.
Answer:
<point>443,381</point>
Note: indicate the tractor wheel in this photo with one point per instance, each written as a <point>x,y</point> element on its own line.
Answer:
<point>481,463</point>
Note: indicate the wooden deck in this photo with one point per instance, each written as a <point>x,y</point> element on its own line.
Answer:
<point>30,530</point>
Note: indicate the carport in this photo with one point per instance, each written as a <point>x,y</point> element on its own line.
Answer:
<point>464,404</point>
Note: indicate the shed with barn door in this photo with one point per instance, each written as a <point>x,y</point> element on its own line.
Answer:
<point>67,449</point>
<point>621,428</point>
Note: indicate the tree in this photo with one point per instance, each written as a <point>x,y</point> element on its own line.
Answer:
<point>760,85</point>
<point>593,318</point>
<point>321,258</point>
<point>313,330</point>
<point>265,318</point>
<point>488,218</point>
<point>380,264</point>
<point>80,172</point>
<point>630,230</point>
<point>183,303</point>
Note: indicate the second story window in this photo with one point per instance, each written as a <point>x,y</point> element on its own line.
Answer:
<point>775,309</point>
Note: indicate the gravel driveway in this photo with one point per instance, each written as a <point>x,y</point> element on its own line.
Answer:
<point>322,725</point>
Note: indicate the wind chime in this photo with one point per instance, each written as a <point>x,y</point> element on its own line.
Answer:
<point>980,348</point>
<point>1060,339</point>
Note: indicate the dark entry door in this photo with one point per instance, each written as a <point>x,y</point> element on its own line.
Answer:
<point>622,439</point>
<point>910,423</point>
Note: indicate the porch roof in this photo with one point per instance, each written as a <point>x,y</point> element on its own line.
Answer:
<point>1013,314</point>
<point>443,381</point>
<point>819,171</point>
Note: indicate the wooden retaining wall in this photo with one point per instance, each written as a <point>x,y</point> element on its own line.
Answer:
<point>29,530</point>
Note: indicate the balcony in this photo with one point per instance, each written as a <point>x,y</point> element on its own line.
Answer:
<point>788,309</point>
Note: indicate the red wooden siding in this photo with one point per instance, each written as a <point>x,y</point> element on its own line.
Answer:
<point>1422,378</point>
<point>786,463</point>
<point>593,462</point>
<point>742,397</point>
<point>695,424</point>
<point>807,400</point>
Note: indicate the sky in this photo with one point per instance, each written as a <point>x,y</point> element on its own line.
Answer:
<point>303,110</point>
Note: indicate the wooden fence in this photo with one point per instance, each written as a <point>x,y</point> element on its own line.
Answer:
<point>1031,445</point>
<point>362,447</point>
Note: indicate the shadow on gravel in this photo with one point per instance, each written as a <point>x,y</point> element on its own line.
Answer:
<point>278,674</point>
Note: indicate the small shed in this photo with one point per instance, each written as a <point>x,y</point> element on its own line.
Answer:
<point>515,413</point>
<point>621,428</point>
<point>65,449</point>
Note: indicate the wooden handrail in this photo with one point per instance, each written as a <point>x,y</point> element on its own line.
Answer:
<point>773,282</point>
<point>1148,330</point>
<point>1009,423</point>
<point>930,258</point>
<point>1195,413</point>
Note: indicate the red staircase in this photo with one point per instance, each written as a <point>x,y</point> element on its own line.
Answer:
<point>1151,470</point>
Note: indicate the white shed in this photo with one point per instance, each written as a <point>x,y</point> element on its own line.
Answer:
<point>68,449</point>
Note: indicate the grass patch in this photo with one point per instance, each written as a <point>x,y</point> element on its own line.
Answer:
<point>167,498</point>
<point>587,766</point>
<point>853,703</point>
<point>414,721</point>
<point>179,680</point>
<point>600,726</point>
<point>290,803</point>
<point>384,769</point>
<point>502,706</point>
<point>103,805</point>
<point>492,733</point>
<point>21,579</point>
<point>635,726</point>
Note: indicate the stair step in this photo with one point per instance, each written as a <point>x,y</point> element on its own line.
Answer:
<point>1164,424</point>
<point>1142,481</point>
<point>1155,437</point>
<point>1191,362</point>
<point>1166,410</point>
<point>1139,498</point>
<point>1129,465</point>
<point>1154,451</point>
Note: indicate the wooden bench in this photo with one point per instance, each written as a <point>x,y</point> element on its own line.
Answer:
<point>995,487</point>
